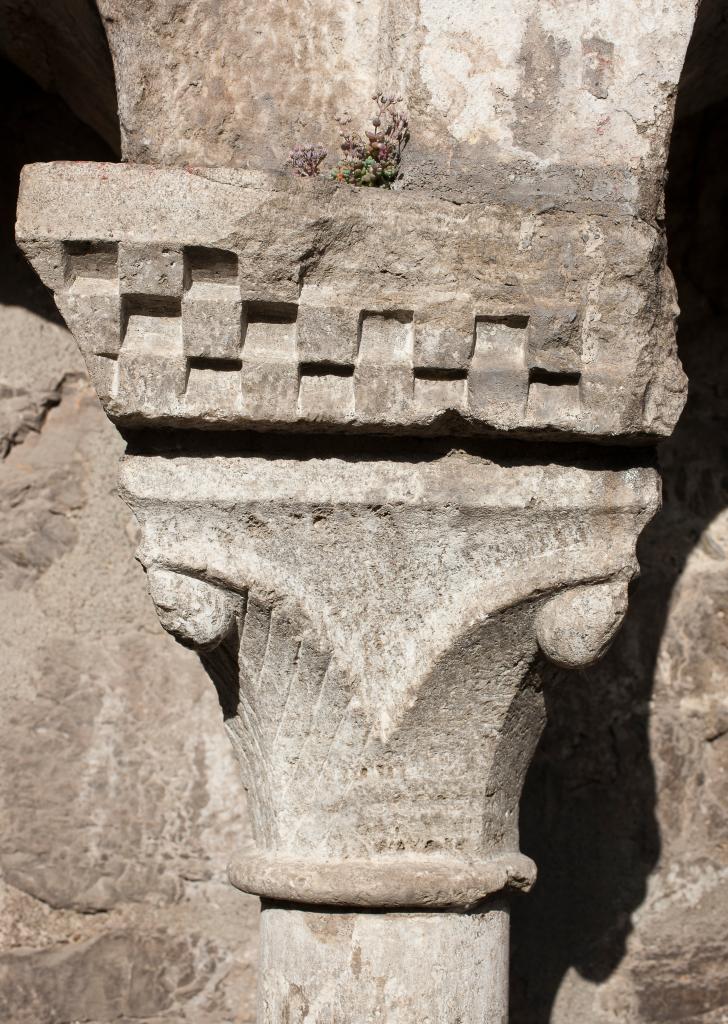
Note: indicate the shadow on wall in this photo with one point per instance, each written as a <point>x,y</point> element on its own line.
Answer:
<point>588,810</point>
<point>56,134</point>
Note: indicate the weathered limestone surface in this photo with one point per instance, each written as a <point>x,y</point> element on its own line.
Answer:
<point>114,775</point>
<point>115,794</point>
<point>591,824</point>
<point>375,621</point>
<point>384,692</point>
<point>510,101</point>
<point>222,298</point>
<point>627,819</point>
<point>373,630</point>
<point>344,966</point>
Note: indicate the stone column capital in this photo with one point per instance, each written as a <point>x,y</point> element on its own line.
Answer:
<point>361,453</point>
<point>378,631</point>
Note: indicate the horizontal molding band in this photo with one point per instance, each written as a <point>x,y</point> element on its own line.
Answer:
<point>404,881</point>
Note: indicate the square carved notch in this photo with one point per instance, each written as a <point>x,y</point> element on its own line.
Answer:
<point>553,396</point>
<point>92,266</point>
<point>152,323</point>
<point>210,266</point>
<point>437,389</point>
<point>326,391</point>
<point>500,341</point>
<point>270,332</point>
<point>386,336</point>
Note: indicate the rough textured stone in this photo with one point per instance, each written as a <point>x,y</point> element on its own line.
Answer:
<point>365,614</point>
<point>351,730</point>
<point>115,791</point>
<point>184,289</point>
<point>337,968</point>
<point>626,813</point>
<point>361,614</point>
<point>605,810</point>
<point>570,104</point>
<point>115,781</point>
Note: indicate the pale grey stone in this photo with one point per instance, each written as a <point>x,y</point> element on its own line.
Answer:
<point>196,297</point>
<point>373,629</point>
<point>511,102</point>
<point>575,628</point>
<point>377,620</point>
<point>326,967</point>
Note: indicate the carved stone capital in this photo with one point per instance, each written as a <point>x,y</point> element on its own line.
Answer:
<point>339,513</point>
<point>378,630</point>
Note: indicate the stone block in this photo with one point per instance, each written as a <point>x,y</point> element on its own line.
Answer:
<point>421,272</point>
<point>151,359</point>
<point>444,337</point>
<point>498,376</point>
<point>143,377</point>
<point>98,319</point>
<point>554,399</point>
<point>52,258</point>
<point>383,380</point>
<point>554,339</point>
<point>326,393</point>
<point>147,269</point>
<point>328,334</point>
<point>213,388</point>
<point>269,364</point>
<point>439,391</point>
<point>212,322</point>
<point>269,389</point>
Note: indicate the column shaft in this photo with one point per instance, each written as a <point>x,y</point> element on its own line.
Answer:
<point>334,967</point>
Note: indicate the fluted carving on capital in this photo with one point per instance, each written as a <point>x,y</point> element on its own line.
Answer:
<point>386,452</point>
<point>377,630</point>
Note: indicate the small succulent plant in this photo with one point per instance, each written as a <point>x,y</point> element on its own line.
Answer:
<point>368,160</point>
<point>307,160</point>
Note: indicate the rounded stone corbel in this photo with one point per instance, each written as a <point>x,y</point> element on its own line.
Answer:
<point>575,627</point>
<point>197,614</point>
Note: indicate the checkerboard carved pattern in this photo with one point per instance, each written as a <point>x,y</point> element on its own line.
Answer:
<point>277,306</point>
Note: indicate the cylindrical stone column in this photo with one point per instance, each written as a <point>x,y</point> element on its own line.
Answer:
<point>322,966</point>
